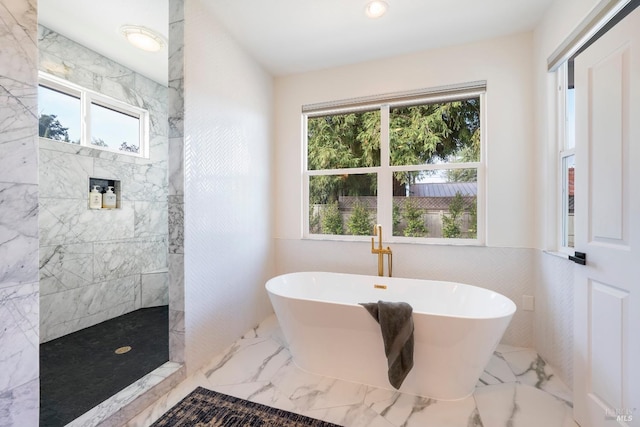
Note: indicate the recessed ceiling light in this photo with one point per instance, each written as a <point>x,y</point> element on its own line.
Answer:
<point>143,38</point>
<point>376,8</point>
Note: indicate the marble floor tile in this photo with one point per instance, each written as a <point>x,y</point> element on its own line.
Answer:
<point>497,371</point>
<point>263,392</point>
<point>408,410</point>
<point>517,389</point>
<point>519,405</point>
<point>353,416</point>
<point>529,368</point>
<point>504,348</point>
<point>250,360</point>
<point>309,391</point>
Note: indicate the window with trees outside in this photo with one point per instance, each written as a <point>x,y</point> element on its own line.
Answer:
<point>412,162</point>
<point>566,156</point>
<point>72,114</point>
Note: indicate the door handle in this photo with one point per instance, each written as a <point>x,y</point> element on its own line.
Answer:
<point>579,258</point>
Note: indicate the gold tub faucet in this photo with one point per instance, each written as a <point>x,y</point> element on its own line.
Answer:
<point>377,230</point>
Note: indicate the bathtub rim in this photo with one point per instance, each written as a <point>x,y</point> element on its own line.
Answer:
<point>509,312</point>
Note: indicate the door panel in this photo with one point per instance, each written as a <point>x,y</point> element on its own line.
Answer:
<point>606,102</point>
<point>607,196</point>
<point>606,306</point>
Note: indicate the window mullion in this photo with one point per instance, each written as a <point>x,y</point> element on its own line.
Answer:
<point>385,184</point>
<point>85,121</point>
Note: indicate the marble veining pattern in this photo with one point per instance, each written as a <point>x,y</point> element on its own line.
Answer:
<point>18,98</point>
<point>18,141</point>
<point>114,259</point>
<point>153,289</point>
<point>176,225</point>
<point>177,336</point>
<point>88,305</point>
<point>64,267</point>
<point>18,335</point>
<point>151,218</point>
<point>517,389</point>
<point>18,233</point>
<point>64,221</point>
<point>19,296</point>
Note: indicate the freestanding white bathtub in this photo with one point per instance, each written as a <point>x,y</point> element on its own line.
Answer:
<point>457,328</point>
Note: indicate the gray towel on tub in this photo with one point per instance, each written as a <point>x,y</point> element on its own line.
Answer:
<point>396,325</point>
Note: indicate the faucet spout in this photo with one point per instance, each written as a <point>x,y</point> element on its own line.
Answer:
<point>380,251</point>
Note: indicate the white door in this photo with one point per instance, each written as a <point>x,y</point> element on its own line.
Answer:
<point>607,288</point>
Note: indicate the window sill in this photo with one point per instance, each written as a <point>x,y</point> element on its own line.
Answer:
<point>557,254</point>
<point>83,150</point>
<point>396,240</point>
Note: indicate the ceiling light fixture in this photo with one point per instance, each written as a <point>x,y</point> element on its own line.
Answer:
<point>376,8</point>
<point>143,38</point>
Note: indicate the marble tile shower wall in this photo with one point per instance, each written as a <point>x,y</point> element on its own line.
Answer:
<point>19,387</point>
<point>176,181</point>
<point>99,264</point>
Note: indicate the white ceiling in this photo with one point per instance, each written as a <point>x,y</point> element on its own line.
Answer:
<point>96,25</point>
<point>290,36</point>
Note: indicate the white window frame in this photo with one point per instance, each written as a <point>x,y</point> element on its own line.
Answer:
<point>563,153</point>
<point>88,97</point>
<point>385,170</point>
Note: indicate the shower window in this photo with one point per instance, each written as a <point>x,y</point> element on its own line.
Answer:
<point>59,114</point>
<point>114,129</point>
<point>72,114</point>
<point>411,162</point>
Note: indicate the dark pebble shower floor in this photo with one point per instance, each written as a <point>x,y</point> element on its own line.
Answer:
<point>80,370</point>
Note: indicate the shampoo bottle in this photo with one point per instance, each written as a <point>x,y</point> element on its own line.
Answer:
<point>95,198</point>
<point>109,198</point>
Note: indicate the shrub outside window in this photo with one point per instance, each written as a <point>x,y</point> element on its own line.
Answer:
<point>411,163</point>
<point>72,114</point>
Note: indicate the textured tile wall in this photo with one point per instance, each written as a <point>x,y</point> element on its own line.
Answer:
<point>95,265</point>
<point>227,188</point>
<point>554,314</point>
<point>19,297</point>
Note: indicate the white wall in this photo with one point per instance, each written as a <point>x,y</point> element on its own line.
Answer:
<point>554,281</point>
<point>505,64</point>
<point>228,246</point>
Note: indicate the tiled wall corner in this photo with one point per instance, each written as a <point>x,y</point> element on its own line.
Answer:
<point>176,182</point>
<point>153,289</point>
<point>19,296</point>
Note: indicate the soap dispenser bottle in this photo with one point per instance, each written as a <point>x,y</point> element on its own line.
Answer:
<point>109,199</point>
<point>95,198</point>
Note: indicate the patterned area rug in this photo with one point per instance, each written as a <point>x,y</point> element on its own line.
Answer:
<point>206,408</point>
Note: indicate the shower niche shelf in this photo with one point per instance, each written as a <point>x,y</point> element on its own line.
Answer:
<point>104,183</point>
